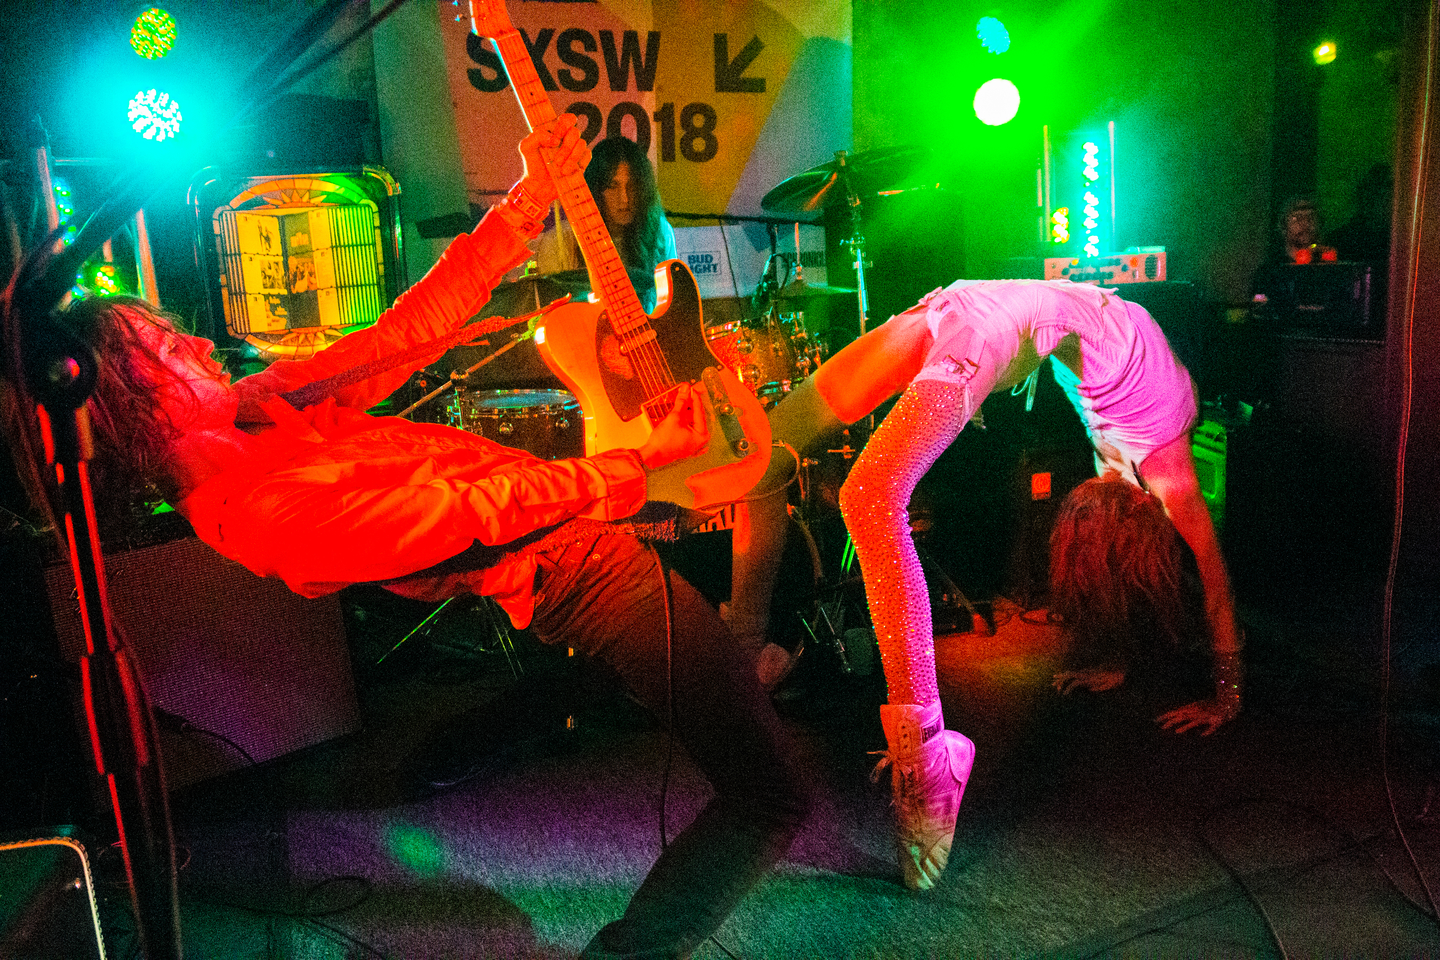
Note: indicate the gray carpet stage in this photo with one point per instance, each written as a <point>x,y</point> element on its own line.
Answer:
<point>1086,831</point>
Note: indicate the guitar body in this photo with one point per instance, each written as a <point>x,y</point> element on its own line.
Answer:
<point>583,349</point>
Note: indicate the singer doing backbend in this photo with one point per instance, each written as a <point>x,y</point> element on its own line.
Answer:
<point>943,357</point>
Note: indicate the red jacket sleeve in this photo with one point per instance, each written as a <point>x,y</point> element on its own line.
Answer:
<point>449,294</point>
<point>329,522</point>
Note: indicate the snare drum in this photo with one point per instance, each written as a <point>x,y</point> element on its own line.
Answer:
<point>547,423</point>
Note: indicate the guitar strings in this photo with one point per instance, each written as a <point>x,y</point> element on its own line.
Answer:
<point>651,365</point>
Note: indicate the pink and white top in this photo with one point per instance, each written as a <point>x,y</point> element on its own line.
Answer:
<point>1131,391</point>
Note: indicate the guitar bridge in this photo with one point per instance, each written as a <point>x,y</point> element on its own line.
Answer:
<point>725,412</point>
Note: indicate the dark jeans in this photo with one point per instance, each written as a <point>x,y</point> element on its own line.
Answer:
<point>606,597</point>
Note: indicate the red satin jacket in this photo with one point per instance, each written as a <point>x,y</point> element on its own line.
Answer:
<point>338,497</point>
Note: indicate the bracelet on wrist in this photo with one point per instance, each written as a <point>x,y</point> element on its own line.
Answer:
<point>1228,678</point>
<point>521,197</point>
<point>522,211</point>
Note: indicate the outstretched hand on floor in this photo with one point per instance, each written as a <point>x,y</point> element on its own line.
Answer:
<point>1096,681</point>
<point>1207,716</point>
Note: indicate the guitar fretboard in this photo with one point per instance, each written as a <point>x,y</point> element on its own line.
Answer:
<point>626,313</point>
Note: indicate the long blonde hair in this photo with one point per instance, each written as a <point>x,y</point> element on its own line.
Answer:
<point>1118,574</point>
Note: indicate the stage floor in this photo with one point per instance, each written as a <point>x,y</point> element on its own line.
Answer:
<point>1086,830</point>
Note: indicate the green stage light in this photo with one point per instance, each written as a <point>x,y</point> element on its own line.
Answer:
<point>421,851</point>
<point>1091,162</point>
<point>1060,225</point>
<point>62,200</point>
<point>153,34</point>
<point>996,102</point>
<point>993,35</point>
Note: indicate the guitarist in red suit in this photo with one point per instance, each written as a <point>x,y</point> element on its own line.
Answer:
<point>323,495</point>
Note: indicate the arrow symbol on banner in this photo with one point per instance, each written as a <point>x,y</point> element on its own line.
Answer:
<point>729,73</point>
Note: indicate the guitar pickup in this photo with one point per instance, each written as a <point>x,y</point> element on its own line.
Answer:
<point>634,341</point>
<point>726,414</point>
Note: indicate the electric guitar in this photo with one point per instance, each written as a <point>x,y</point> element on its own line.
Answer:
<point>624,365</point>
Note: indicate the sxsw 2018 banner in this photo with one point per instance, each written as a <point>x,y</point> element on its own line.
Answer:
<point>729,98</point>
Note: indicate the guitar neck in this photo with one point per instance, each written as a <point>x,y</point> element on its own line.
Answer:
<point>590,230</point>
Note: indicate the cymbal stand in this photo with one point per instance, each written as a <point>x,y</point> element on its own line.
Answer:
<point>457,376</point>
<point>762,302</point>
<point>856,242</point>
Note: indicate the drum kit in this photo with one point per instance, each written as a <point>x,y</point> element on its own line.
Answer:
<point>521,403</point>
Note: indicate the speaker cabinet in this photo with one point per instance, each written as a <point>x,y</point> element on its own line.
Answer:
<point>47,901</point>
<point>1307,518</point>
<point>235,662</point>
<point>1332,388</point>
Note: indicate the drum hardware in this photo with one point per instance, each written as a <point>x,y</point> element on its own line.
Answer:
<point>768,356</point>
<point>845,450</point>
<point>847,181</point>
<point>952,598</point>
<point>798,290</point>
<point>830,617</point>
<point>536,421</point>
<point>840,181</point>
<point>456,376</point>
<point>494,634</point>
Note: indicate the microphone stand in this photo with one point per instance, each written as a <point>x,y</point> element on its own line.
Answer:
<point>60,374</point>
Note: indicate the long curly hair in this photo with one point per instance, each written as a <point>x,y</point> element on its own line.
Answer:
<point>1121,578</point>
<point>131,430</point>
<point>640,244</point>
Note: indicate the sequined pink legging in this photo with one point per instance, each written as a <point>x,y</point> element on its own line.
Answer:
<point>873,500</point>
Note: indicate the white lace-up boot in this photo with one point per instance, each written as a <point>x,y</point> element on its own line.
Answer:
<point>929,768</point>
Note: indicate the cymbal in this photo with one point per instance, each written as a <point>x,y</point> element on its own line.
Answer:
<point>516,298</point>
<point>830,184</point>
<point>800,290</point>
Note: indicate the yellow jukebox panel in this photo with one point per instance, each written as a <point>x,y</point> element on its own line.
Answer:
<point>294,274</point>
<point>277,312</point>
<point>294,261</point>
<point>282,264</point>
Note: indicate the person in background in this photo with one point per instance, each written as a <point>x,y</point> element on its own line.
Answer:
<point>1298,234</point>
<point>623,184</point>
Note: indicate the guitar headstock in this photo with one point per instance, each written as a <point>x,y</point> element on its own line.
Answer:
<point>489,18</point>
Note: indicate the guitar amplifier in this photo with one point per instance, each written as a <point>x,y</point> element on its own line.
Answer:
<point>236,662</point>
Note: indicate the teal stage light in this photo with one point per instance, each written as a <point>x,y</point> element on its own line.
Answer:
<point>154,115</point>
<point>993,35</point>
